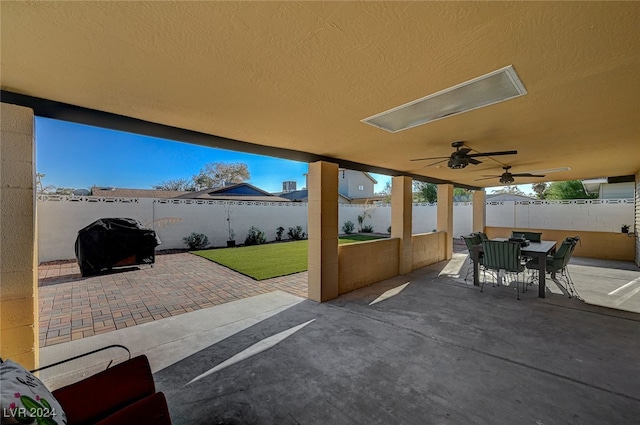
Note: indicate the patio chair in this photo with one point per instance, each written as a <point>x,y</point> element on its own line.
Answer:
<point>558,262</point>
<point>120,395</point>
<point>471,241</point>
<point>503,255</point>
<point>482,235</point>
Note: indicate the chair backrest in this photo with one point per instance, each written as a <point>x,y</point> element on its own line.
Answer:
<point>501,255</point>
<point>482,235</point>
<point>563,254</point>
<point>470,241</point>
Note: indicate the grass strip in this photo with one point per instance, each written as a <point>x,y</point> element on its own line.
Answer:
<point>270,260</point>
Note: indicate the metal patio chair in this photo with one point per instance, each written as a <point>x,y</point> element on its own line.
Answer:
<point>558,262</point>
<point>503,255</point>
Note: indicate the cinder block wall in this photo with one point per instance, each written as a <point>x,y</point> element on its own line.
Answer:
<point>428,248</point>
<point>18,245</point>
<point>362,263</point>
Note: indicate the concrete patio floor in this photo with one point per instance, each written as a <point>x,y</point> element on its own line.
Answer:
<point>434,351</point>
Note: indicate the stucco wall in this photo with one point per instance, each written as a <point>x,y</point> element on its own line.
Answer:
<point>363,263</point>
<point>605,245</point>
<point>428,248</point>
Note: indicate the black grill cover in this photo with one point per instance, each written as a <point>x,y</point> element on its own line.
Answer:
<point>112,242</point>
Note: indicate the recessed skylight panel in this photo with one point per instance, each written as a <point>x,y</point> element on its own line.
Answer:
<point>488,89</point>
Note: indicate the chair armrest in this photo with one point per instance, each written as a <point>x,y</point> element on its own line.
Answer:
<point>100,395</point>
<point>149,410</point>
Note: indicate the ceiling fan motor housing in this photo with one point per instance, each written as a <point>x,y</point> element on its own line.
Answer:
<point>458,162</point>
<point>506,178</point>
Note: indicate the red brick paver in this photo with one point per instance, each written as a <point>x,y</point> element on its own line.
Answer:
<point>73,307</point>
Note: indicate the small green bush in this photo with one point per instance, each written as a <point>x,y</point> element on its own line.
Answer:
<point>255,237</point>
<point>367,228</point>
<point>279,231</point>
<point>389,229</point>
<point>296,233</point>
<point>196,240</point>
<point>348,227</point>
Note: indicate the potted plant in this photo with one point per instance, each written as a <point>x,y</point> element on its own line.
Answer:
<point>231,242</point>
<point>625,228</point>
<point>279,231</point>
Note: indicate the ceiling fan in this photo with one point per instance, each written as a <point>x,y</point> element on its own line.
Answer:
<point>507,177</point>
<point>461,157</point>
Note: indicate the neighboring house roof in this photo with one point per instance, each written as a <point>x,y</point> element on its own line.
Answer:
<point>303,196</point>
<point>509,197</point>
<point>236,192</point>
<point>118,192</point>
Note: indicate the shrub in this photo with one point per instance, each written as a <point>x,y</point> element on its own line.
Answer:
<point>255,237</point>
<point>367,228</point>
<point>279,231</point>
<point>348,227</point>
<point>296,233</point>
<point>389,229</point>
<point>196,240</point>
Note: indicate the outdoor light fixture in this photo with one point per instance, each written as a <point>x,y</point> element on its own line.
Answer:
<point>497,86</point>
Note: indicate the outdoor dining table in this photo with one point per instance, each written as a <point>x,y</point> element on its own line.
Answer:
<point>538,250</point>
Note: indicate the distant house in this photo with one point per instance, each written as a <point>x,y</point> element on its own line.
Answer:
<point>606,190</point>
<point>354,187</point>
<point>234,192</point>
<point>118,192</point>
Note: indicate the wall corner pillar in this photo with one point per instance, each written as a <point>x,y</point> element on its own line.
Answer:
<point>323,231</point>
<point>402,220</point>
<point>18,243</point>
<point>445,217</point>
<point>479,210</point>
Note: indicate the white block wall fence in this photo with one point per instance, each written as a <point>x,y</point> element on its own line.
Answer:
<point>60,217</point>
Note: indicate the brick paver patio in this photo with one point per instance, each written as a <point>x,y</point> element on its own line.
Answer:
<point>73,307</point>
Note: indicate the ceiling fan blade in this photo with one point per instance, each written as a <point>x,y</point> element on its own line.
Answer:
<point>463,151</point>
<point>435,163</point>
<point>487,178</point>
<point>527,175</point>
<point>493,153</point>
<point>426,159</point>
<point>474,161</point>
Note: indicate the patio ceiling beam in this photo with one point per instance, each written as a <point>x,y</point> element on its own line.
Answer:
<point>66,112</point>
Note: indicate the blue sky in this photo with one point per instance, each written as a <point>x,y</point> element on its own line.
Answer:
<point>81,156</point>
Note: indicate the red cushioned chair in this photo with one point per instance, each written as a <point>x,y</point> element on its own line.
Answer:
<point>120,395</point>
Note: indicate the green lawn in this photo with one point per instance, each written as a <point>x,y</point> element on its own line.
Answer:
<point>269,260</point>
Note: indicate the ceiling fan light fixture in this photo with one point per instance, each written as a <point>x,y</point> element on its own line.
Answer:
<point>494,87</point>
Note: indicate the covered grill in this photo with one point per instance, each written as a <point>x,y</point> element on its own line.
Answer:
<point>114,242</point>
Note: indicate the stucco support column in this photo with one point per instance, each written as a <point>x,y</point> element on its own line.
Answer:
<point>445,217</point>
<point>479,210</point>
<point>323,231</point>
<point>18,246</point>
<point>402,220</point>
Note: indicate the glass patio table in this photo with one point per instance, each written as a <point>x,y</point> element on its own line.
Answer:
<point>538,250</point>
